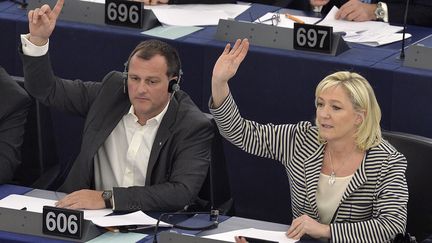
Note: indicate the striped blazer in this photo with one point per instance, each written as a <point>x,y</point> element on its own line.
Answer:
<point>374,205</point>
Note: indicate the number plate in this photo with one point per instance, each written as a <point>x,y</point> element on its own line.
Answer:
<point>124,13</point>
<point>316,38</point>
<point>62,222</point>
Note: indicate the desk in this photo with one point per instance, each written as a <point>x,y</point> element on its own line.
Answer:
<point>227,224</point>
<point>271,86</point>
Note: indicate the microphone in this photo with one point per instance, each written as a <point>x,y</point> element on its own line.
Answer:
<point>402,54</point>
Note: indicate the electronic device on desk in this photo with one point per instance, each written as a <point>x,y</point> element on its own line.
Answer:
<point>304,37</point>
<point>120,12</point>
<point>57,223</point>
<point>419,54</point>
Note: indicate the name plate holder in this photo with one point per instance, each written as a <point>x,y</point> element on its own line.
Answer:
<point>30,223</point>
<point>90,12</point>
<point>268,36</point>
<point>419,54</point>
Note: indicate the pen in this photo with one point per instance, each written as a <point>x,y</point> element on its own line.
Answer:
<point>295,19</point>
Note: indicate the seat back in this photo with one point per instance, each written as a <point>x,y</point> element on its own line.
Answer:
<point>38,140</point>
<point>216,186</point>
<point>418,152</point>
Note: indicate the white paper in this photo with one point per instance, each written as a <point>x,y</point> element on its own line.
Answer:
<point>196,14</point>
<point>135,218</point>
<point>34,204</point>
<point>284,20</point>
<point>372,33</point>
<point>278,236</point>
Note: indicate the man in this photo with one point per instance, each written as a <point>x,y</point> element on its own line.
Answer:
<point>14,105</point>
<point>142,139</point>
<point>420,11</point>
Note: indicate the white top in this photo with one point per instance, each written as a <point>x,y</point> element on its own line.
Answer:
<point>329,196</point>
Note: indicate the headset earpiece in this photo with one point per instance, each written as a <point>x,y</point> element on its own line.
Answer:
<point>173,86</point>
<point>125,76</point>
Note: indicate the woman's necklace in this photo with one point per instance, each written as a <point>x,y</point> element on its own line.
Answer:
<point>332,178</point>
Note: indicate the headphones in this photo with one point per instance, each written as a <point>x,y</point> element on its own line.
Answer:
<point>173,86</point>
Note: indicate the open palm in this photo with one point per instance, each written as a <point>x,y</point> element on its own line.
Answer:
<point>229,61</point>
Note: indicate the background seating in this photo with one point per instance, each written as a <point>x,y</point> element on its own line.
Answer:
<point>418,152</point>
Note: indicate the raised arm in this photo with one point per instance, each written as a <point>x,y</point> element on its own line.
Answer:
<point>42,22</point>
<point>225,68</point>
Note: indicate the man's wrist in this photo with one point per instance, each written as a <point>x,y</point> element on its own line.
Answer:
<point>37,41</point>
<point>381,12</point>
<point>30,49</point>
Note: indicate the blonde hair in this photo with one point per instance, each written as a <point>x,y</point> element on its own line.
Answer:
<point>363,100</point>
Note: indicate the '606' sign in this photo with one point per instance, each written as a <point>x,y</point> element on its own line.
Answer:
<point>62,222</point>
<point>124,13</point>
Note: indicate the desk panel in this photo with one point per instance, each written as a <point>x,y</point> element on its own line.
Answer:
<point>271,86</point>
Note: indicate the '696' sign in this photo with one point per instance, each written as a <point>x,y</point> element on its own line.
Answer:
<point>124,13</point>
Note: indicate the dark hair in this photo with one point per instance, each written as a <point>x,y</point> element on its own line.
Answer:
<point>149,48</point>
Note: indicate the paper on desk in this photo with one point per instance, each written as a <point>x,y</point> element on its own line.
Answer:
<point>135,218</point>
<point>111,237</point>
<point>34,204</point>
<point>196,14</point>
<point>278,236</point>
<point>373,33</point>
<point>171,32</point>
<point>284,21</point>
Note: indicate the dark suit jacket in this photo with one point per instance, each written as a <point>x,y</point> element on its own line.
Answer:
<point>14,104</point>
<point>420,11</point>
<point>180,154</point>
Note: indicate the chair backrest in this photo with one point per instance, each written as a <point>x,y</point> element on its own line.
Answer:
<point>38,139</point>
<point>217,183</point>
<point>418,152</point>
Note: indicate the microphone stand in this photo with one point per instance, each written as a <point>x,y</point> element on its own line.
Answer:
<point>214,214</point>
<point>402,54</point>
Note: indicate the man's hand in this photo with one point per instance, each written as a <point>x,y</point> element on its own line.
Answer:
<point>42,22</point>
<point>153,2</point>
<point>305,225</point>
<point>82,199</point>
<point>318,3</point>
<point>355,10</point>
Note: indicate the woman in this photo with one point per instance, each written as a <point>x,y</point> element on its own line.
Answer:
<point>347,183</point>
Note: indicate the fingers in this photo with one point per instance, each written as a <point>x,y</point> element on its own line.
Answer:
<point>297,228</point>
<point>227,49</point>
<point>57,8</point>
<point>239,239</point>
<point>240,49</point>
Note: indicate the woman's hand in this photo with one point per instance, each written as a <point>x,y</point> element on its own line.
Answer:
<point>225,68</point>
<point>305,225</point>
